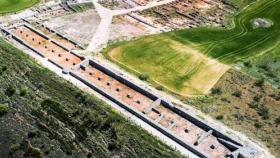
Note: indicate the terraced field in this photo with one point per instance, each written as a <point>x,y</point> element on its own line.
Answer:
<point>9,6</point>
<point>175,67</point>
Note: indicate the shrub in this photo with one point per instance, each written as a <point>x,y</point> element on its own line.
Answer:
<point>3,109</point>
<point>253,104</point>
<point>93,119</point>
<point>217,91</point>
<point>81,97</point>
<point>23,91</point>
<point>56,109</point>
<point>10,91</point>
<point>219,117</point>
<point>238,116</point>
<point>277,97</point>
<point>32,133</point>
<point>277,120</point>
<point>112,146</point>
<point>4,68</point>
<point>34,152</point>
<point>257,98</point>
<point>259,82</point>
<point>237,94</point>
<point>248,64</point>
<point>161,88</point>
<point>15,147</point>
<point>258,125</point>
<point>263,112</point>
<point>144,76</point>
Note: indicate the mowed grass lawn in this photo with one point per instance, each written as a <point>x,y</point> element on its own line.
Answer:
<point>190,61</point>
<point>9,6</point>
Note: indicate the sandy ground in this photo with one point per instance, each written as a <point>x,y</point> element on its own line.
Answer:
<point>124,29</point>
<point>80,26</point>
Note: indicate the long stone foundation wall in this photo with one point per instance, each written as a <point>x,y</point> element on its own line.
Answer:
<point>170,106</point>
<point>22,42</point>
<point>122,80</point>
<point>162,129</point>
<point>62,36</point>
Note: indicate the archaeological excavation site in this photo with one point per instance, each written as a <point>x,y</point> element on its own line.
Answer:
<point>70,34</point>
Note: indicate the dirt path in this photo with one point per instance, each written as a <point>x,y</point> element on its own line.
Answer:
<point>101,37</point>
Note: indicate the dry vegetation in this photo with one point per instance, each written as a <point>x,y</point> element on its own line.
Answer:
<point>246,104</point>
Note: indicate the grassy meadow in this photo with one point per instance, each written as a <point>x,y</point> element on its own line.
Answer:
<point>190,61</point>
<point>9,6</point>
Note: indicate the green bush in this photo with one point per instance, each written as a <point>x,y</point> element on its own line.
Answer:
<point>23,91</point>
<point>93,120</point>
<point>263,112</point>
<point>217,91</point>
<point>260,82</point>
<point>161,88</point>
<point>258,125</point>
<point>248,64</point>
<point>253,104</point>
<point>144,76</point>
<point>237,94</point>
<point>277,120</point>
<point>220,117</point>
<point>3,109</point>
<point>4,68</point>
<point>15,147</point>
<point>10,91</point>
<point>257,98</point>
<point>34,152</point>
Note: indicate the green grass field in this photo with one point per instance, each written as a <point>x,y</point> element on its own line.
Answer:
<point>9,6</point>
<point>174,67</point>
